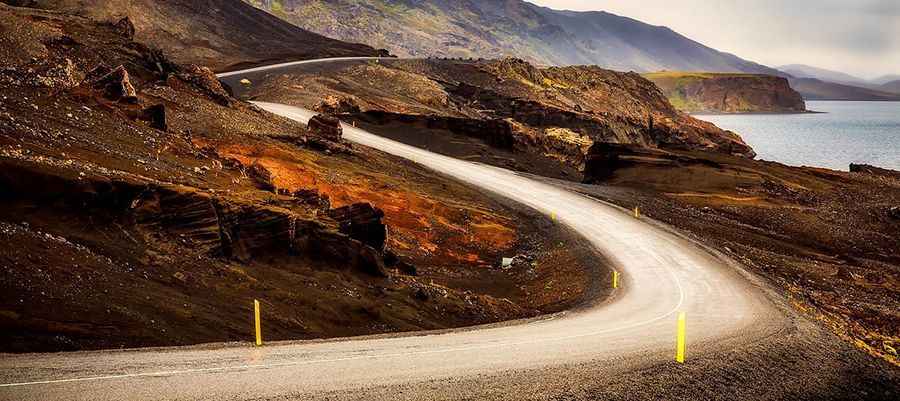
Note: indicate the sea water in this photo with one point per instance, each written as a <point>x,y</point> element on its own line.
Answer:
<point>844,133</point>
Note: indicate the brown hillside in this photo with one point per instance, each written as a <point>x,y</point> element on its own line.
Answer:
<point>221,34</point>
<point>140,205</point>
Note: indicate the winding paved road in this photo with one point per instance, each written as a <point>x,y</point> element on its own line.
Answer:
<point>662,275</point>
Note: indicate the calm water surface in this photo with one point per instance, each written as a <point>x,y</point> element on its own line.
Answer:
<point>849,132</point>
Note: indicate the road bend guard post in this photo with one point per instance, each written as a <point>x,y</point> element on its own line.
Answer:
<point>679,346</point>
<point>256,321</point>
<point>615,279</point>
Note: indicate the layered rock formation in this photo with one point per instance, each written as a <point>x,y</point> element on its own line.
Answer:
<point>553,113</point>
<point>728,93</point>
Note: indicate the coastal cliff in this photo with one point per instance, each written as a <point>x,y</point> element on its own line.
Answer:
<point>702,92</point>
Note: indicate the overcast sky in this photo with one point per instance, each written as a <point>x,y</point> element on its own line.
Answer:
<point>859,37</point>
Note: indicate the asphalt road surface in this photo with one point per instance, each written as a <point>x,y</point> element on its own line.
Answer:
<point>620,348</point>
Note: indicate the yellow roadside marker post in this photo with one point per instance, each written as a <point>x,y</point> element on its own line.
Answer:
<point>615,279</point>
<point>256,318</point>
<point>553,216</point>
<point>637,212</point>
<point>679,348</point>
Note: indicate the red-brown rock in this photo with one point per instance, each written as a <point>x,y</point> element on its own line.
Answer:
<point>326,126</point>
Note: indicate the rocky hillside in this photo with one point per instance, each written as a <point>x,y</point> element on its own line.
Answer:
<point>506,28</point>
<point>220,34</point>
<point>141,204</point>
<point>554,114</point>
<point>728,93</point>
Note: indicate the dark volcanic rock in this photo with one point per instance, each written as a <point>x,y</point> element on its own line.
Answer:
<point>362,221</point>
<point>313,198</point>
<point>116,84</point>
<point>326,126</point>
<point>206,81</point>
<point>392,260</point>
<point>603,159</point>
<point>894,212</point>
<point>872,170</point>
<point>125,27</point>
<point>156,116</point>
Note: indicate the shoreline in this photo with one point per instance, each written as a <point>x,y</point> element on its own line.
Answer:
<point>752,113</point>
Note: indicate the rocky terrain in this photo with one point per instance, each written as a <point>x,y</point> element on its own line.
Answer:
<point>554,115</point>
<point>826,239</point>
<point>220,34</point>
<point>728,93</point>
<point>141,204</point>
<point>506,28</point>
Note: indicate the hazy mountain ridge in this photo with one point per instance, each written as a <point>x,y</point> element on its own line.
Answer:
<point>823,84</point>
<point>498,28</point>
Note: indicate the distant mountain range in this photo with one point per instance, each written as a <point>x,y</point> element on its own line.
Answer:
<point>501,28</point>
<point>818,83</point>
<point>516,28</point>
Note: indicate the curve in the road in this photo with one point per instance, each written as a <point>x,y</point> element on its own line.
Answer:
<point>662,273</point>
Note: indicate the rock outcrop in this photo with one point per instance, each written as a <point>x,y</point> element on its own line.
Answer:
<point>114,82</point>
<point>552,114</point>
<point>205,80</point>
<point>728,93</point>
<point>125,27</point>
<point>873,170</point>
<point>337,105</point>
<point>261,176</point>
<point>156,116</point>
<point>326,126</point>
<point>361,221</point>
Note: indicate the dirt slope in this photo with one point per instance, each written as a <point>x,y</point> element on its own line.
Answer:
<point>220,34</point>
<point>140,204</point>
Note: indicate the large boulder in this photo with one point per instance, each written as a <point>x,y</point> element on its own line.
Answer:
<point>362,222</point>
<point>115,83</point>
<point>894,212</point>
<point>336,105</point>
<point>125,27</point>
<point>261,177</point>
<point>206,81</point>
<point>326,126</point>
<point>156,116</point>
